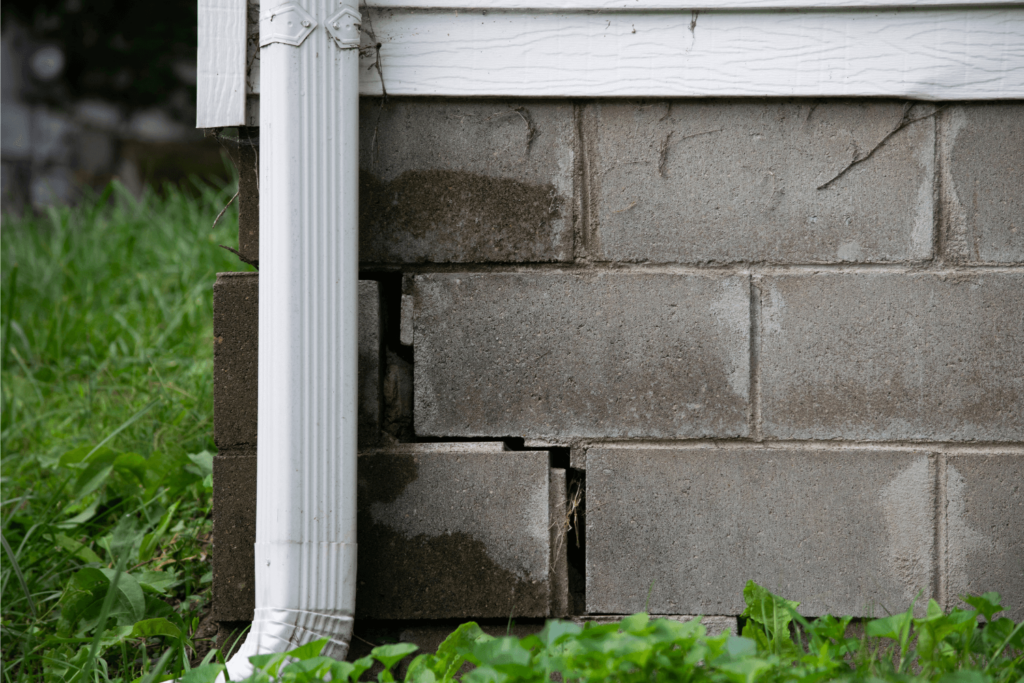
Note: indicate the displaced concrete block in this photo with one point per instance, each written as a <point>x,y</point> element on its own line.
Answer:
<point>546,354</point>
<point>982,147</point>
<point>985,528</point>
<point>887,356</point>
<point>465,181</point>
<point>234,533</point>
<point>454,531</point>
<point>448,530</point>
<point>716,181</point>
<point>842,532</point>
<point>235,360</point>
<point>236,309</point>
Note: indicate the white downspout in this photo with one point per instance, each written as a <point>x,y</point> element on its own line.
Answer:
<point>306,471</point>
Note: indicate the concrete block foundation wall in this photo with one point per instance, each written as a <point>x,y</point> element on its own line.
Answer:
<point>620,354</point>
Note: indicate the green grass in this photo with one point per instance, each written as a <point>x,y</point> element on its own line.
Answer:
<point>107,424</point>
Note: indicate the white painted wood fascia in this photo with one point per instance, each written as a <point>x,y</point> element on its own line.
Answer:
<point>677,5</point>
<point>220,62</point>
<point>928,54</point>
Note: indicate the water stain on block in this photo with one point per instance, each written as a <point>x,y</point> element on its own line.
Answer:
<point>456,216</point>
<point>453,535</point>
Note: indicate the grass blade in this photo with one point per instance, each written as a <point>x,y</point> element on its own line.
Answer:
<point>17,572</point>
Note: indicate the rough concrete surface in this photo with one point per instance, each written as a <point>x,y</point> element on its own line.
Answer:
<point>982,147</point>
<point>985,528</point>
<point>234,533</point>
<point>235,360</point>
<point>724,181</point>
<point>890,356</point>
<point>246,158</point>
<point>465,181</point>
<point>235,349</point>
<point>370,364</point>
<point>548,354</point>
<point>842,532</point>
<point>453,533</point>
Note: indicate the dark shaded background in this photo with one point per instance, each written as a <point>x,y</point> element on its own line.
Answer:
<point>98,89</point>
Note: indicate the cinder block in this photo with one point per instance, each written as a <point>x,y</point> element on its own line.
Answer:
<point>234,533</point>
<point>457,530</point>
<point>887,356</point>
<point>454,531</point>
<point>445,181</point>
<point>983,182</point>
<point>727,181</point>
<point>842,531</point>
<point>546,354</point>
<point>235,360</point>
<point>985,528</point>
<point>236,309</point>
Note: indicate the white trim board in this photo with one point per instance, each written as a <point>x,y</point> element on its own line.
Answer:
<point>931,54</point>
<point>677,5</point>
<point>220,63</point>
<point>934,52</point>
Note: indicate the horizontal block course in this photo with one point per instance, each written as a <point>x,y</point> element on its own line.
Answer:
<point>726,181</point>
<point>546,354</point>
<point>482,181</point>
<point>235,360</point>
<point>843,532</point>
<point>985,528</point>
<point>983,149</point>
<point>888,356</point>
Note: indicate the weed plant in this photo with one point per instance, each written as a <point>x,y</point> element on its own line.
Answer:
<point>777,645</point>
<point>106,435</point>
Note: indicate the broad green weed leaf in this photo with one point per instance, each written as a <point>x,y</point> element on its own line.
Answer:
<point>389,655</point>
<point>269,663</point>
<point>739,646</point>
<point>79,550</point>
<point>132,463</point>
<point>207,673</point>
<point>309,650</point>
<point>419,671</point>
<point>965,676</point>
<point>159,626</point>
<point>359,666</point>
<point>342,671</point>
<point>555,632</point>
<point>635,623</point>
<point>769,611</point>
<point>156,581</point>
<point>130,601</point>
<point>202,464</point>
<point>988,604</point>
<point>745,670</point>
